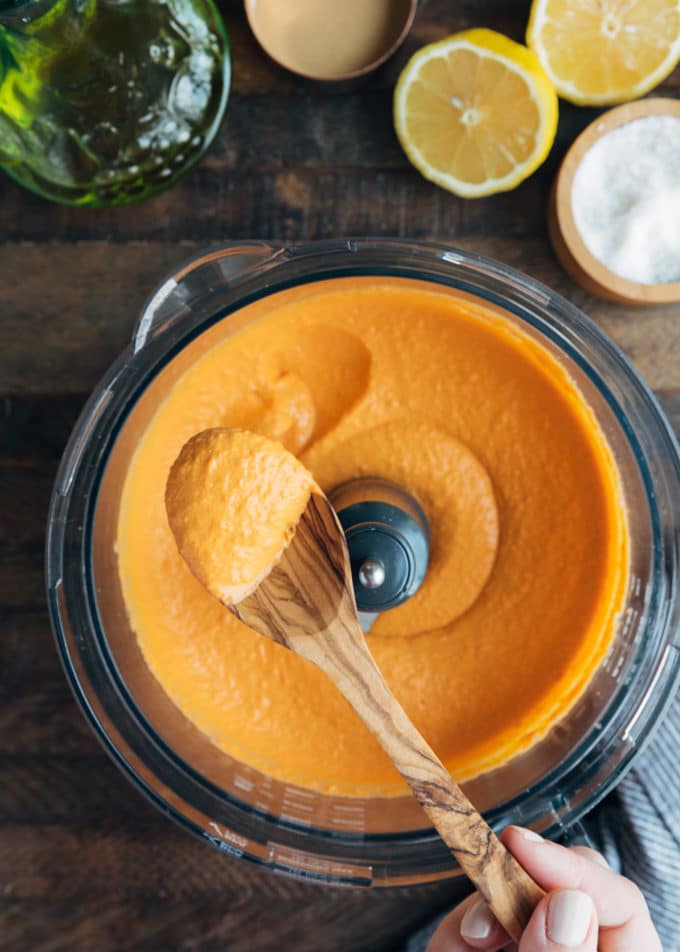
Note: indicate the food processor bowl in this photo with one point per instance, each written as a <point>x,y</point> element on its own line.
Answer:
<point>354,840</point>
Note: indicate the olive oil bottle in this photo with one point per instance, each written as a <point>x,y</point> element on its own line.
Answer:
<point>104,102</point>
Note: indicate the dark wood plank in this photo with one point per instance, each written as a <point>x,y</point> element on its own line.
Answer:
<point>85,299</point>
<point>36,429</point>
<point>29,488</point>
<point>288,202</point>
<point>244,918</point>
<point>43,719</point>
<point>295,169</point>
<point>27,654</point>
<point>76,312</point>
<point>72,790</point>
<point>22,577</point>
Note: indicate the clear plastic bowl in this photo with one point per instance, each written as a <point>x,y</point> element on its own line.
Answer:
<point>340,840</point>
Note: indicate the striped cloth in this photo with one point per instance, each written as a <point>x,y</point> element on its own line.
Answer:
<point>637,828</point>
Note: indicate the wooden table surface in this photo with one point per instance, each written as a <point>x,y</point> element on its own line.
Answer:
<point>85,862</point>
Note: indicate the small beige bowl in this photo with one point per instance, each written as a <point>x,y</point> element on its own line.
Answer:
<point>569,247</point>
<point>404,12</point>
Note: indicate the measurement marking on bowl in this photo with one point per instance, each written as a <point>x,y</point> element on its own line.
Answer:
<point>297,793</point>
<point>293,805</point>
<point>354,824</point>
<point>242,783</point>
<point>306,864</point>
<point>228,835</point>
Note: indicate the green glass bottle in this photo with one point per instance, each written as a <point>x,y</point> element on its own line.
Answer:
<point>104,102</point>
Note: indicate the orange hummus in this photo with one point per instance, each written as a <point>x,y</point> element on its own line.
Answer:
<point>233,499</point>
<point>528,567</point>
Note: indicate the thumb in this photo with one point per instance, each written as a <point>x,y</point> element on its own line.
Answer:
<point>564,921</point>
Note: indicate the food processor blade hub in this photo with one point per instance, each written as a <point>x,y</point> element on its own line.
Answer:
<point>388,538</point>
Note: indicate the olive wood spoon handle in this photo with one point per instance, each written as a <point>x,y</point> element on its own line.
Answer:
<point>306,603</point>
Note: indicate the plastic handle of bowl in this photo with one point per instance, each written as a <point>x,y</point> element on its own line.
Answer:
<point>204,274</point>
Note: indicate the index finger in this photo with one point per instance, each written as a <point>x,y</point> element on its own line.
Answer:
<point>622,912</point>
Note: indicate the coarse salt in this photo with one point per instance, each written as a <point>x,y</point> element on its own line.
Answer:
<point>626,200</point>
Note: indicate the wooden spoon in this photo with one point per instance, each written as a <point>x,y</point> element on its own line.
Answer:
<point>306,603</point>
<point>232,496</point>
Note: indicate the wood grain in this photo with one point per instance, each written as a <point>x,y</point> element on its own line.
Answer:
<point>289,164</point>
<point>306,604</point>
<point>154,889</point>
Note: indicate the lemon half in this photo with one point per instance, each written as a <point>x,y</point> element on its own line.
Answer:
<point>599,53</point>
<point>475,113</point>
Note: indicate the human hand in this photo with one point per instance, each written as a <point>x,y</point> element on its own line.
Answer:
<point>588,908</point>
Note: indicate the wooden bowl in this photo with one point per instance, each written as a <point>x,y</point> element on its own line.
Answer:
<point>569,247</point>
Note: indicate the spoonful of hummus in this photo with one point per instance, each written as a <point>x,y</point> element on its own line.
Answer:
<point>233,499</point>
<point>258,533</point>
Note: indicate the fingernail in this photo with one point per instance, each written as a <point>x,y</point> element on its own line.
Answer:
<point>569,916</point>
<point>529,835</point>
<point>477,922</point>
